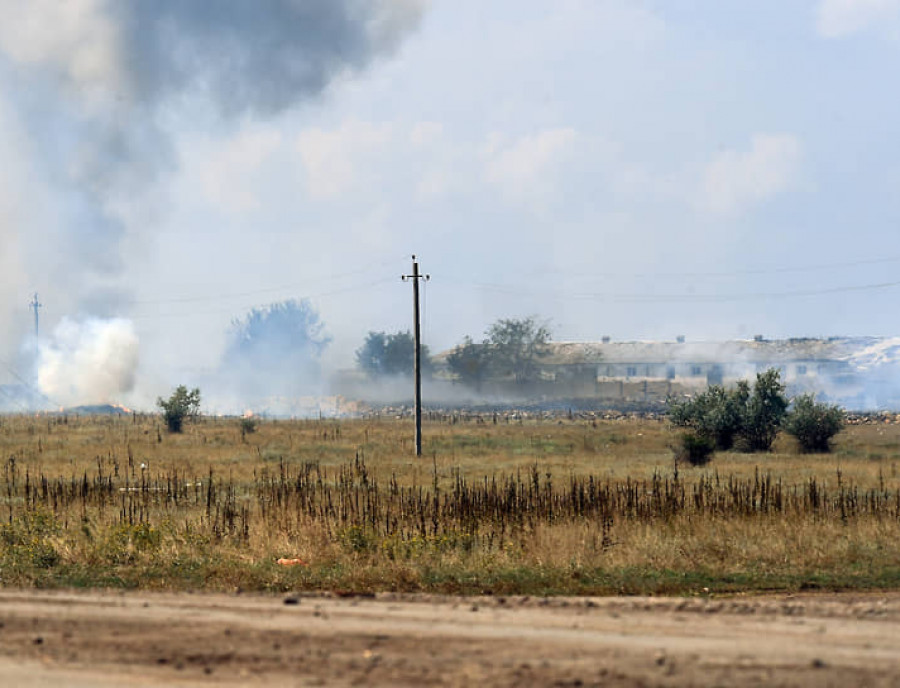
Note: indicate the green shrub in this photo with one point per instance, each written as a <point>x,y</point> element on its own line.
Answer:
<point>735,418</point>
<point>763,412</point>
<point>813,424</point>
<point>182,404</point>
<point>356,539</point>
<point>248,425</point>
<point>694,448</point>
<point>28,540</point>
<point>716,414</point>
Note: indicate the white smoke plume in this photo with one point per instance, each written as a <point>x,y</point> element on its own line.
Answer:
<point>88,362</point>
<point>93,94</point>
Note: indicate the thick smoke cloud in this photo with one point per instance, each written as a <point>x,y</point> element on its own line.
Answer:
<point>274,352</point>
<point>88,362</point>
<point>259,56</point>
<point>90,91</point>
<point>252,56</point>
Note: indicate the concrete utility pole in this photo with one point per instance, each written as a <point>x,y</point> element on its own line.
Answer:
<point>417,354</point>
<point>35,306</point>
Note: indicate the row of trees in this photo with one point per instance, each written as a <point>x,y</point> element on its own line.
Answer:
<point>511,350</point>
<point>289,337</point>
<point>282,341</point>
<point>749,420</point>
<point>277,349</point>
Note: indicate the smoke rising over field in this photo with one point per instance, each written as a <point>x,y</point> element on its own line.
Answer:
<point>273,352</point>
<point>91,93</point>
<point>88,361</point>
<point>181,162</point>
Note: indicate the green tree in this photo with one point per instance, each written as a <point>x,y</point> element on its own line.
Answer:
<point>276,349</point>
<point>470,362</point>
<point>813,424</point>
<point>516,346</point>
<point>182,404</point>
<point>716,415</point>
<point>384,355</point>
<point>763,412</point>
<point>289,330</point>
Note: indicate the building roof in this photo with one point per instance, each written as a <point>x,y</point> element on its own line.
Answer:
<point>861,352</point>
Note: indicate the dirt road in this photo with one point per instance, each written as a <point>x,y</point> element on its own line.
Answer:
<point>141,639</point>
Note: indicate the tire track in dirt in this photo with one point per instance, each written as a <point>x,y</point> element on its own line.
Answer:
<point>137,639</point>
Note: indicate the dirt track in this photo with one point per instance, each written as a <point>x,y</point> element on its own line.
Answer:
<point>140,639</point>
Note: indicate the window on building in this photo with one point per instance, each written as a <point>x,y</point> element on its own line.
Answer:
<point>696,370</point>
<point>631,371</point>
<point>801,370</point>
<point>670,373</point>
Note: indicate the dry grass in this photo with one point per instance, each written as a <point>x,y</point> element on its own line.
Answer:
<point>538,507</point>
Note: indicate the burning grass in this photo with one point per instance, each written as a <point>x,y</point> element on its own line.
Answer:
<point>552,506</point>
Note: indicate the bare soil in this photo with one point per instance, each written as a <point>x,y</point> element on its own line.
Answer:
<point>145,639</point>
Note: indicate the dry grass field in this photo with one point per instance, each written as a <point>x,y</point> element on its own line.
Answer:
<point>521,505</point>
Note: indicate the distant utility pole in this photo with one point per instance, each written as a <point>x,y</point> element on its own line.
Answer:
<point>417,355</point>
<point>35,306</point>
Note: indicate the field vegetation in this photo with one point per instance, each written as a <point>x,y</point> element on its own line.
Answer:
<point>498,505</point>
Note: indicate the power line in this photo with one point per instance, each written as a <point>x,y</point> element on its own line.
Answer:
<point>9,397</point>
<point>728,273</point>
<point>25,383</point>
<point>315,295</point>
<point>512,290</point>
<point>265,290</point>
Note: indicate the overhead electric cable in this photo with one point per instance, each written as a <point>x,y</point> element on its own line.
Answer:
<point>29,386</point>
<point>317,295</point>
<point>726,273</point>
<point>9,397</point>
<point>373,267</point>
<point>669,298</point>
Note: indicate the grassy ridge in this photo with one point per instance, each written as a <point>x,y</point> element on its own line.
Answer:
<point>574,506</point>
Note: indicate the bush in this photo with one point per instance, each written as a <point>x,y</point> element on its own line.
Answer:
<point>736,418</point>
<point>717,414</point>
<point>763,412</point>
<point>694,448</point>
<point>29,540</point>
<point>182,404</point>
<point>813,424</point>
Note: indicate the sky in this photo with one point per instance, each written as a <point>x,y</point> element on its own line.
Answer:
<point>640,169</point>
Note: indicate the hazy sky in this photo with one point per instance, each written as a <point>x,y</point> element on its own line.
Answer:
<point>639,169</point>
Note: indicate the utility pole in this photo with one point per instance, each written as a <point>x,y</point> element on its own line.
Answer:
<point>36,306</point>
<point>417,353</point>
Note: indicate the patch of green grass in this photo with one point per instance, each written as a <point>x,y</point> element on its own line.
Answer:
<point>450,578</point>
<point>504,444</point>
